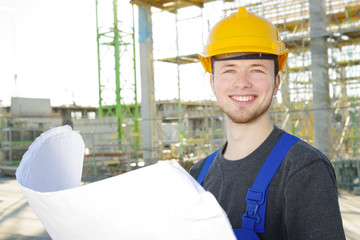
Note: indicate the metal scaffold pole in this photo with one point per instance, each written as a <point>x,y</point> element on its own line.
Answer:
<point>136,107</point>
<point>100,110</point>
<point>117,72</point>
<point>116,52</point>
<point>179,112</point>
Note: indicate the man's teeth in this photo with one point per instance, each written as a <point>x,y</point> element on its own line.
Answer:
<point>241,99</point>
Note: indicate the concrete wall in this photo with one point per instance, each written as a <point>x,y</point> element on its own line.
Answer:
<point>98,133</point>
<point>30,107</point>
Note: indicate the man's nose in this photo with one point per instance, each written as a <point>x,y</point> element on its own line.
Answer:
<point>242,80</point>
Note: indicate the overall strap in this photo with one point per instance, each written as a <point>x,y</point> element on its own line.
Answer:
<point>208,161</point>
<point>274,161</point>
<point>253,221</point>
<point>254,218</point>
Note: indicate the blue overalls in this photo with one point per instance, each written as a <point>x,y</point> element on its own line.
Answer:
<point>253,220</point>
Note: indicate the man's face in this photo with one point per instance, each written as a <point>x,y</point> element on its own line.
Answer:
<point>244,88</point>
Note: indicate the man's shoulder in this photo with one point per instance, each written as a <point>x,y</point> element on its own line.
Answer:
<point>304,149</point>
<point>196,168</point>
<point>302,155</point>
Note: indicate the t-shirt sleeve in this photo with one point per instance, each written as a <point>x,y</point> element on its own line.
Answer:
<point>311,208</point>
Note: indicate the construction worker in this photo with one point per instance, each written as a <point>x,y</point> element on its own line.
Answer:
<point>271,184</point>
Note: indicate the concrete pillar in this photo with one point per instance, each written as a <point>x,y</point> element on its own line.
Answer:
<point>147,84</point>
<point>320,78</point>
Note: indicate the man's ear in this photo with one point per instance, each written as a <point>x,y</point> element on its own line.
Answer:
<point>212,82</point>
<point>277,84</point>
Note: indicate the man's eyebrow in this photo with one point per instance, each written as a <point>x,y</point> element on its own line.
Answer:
<point>229,65</point>
<point>258,65</point>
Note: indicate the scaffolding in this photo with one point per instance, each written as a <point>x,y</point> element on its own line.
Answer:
<point>293,110</point>
<point>298,109</point>
<point>116,49</point>
<point>16,135</point>
<point>113,138</point>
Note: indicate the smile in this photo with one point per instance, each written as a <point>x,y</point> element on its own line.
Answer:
<point>242,98</point>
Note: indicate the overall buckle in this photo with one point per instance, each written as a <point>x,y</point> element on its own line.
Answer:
<point>254,199</point>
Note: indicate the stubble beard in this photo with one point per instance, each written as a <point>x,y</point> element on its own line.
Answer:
<point>243,115</point>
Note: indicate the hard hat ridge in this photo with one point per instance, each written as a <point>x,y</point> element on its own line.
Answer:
<point>242,13</point>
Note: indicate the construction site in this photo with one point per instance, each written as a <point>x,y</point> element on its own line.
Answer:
<point>318,99</point>
<point>155,45</point>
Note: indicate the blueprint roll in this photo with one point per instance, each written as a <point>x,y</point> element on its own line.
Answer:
<point>161,201</point>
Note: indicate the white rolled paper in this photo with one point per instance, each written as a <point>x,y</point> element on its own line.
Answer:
<point>161,201</point>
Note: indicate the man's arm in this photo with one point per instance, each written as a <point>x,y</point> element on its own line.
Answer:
<point>311,204</point>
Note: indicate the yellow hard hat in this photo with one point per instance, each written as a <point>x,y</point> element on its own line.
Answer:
<point>243,32</point>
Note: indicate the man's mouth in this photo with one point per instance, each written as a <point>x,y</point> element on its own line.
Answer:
<point>242,98</point>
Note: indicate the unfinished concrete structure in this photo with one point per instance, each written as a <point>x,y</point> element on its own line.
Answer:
<point>319,94</point>
<point>320,36</point>
<point>320,85</point>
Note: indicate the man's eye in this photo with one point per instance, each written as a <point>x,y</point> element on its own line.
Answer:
<point>229,71</point>
<point>258,71</point>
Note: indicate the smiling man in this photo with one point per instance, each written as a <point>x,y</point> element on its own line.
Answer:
<point>271,184</point>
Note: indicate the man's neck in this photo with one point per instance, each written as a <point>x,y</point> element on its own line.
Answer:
<point>243,139</point>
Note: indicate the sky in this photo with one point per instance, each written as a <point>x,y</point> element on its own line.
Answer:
<point>51,48</point>
<point>48,50</point>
